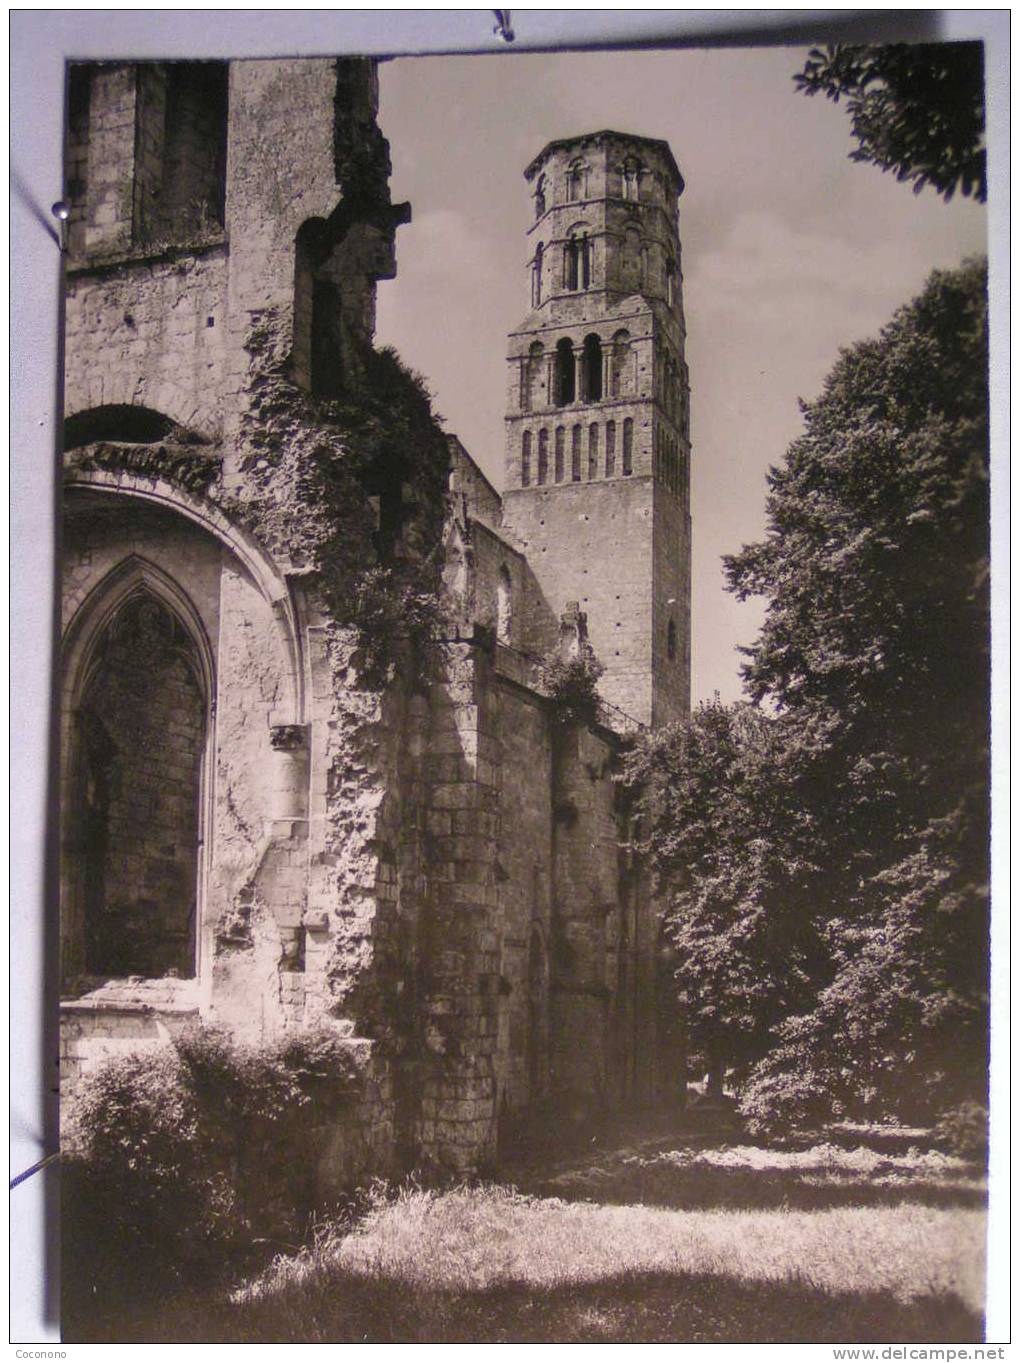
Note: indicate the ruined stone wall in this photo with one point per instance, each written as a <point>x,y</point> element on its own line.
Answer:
<point>150,333</point>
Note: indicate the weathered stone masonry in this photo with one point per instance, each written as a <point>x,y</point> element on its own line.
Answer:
<point>310,773</point>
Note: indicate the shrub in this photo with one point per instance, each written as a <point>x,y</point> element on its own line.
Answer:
<point>184,1156</point>
<point>572,686</point>
<point>963,1130</point>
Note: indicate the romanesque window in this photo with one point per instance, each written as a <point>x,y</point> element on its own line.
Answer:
<point>628,447</point>
<point>565,372</point>
<point>539,197</point>
<point>630,178</point>
<point>610,449</point>
<point>575,455</point>
<point>577,261</point>
<point>543,456</point>
<point>591,368</point>
<point>504,605</point>
<point>560,452</point>
<point>141,733</point>
<point>536,277</point>
<point>576,177</point>
<point>526,459</point>
<point>671,640</point>
<point>621,366</point>
<point>593,451</point>
<point>534,373</point>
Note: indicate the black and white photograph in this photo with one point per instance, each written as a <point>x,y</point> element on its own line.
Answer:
<point>522,716</point>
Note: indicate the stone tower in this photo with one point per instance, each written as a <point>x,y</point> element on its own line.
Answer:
<point>597,427</point>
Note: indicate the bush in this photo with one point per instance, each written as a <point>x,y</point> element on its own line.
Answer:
<point>185,1156</point>
<point>572,685</point>
<point>963,1130</point>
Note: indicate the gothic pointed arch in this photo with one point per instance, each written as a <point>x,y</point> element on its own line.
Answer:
<point>137,717</point>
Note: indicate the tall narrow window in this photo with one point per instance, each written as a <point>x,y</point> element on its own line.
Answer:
<point>539,197</point>
<point>670,283</point>
<point>534,374</point>
<point>630,174</point>
<point>610,449</point>
<point>628,447</point>
<point>543,456</point>
<point>575,181</point>
<point>141,740</point>
<point>585,248</point>
<point>565,372</point>
<point>536,277</point>
<point>671,641</point>
<point>621,372</point>
<point>591,368</point>
<point>575,455</point>
<point>572,263</point>
<point>526,459</point>
<point>593,451</point>
<point>560,452</point>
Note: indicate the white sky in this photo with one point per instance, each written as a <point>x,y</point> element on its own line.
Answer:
<point>790,250</point>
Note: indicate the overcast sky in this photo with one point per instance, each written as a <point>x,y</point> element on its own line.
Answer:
<point>790,251</point>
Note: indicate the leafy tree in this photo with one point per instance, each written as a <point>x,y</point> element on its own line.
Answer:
<point>730,841</point>
<point>876,646</point>
<point>823,850</point>
<point>917,110</point>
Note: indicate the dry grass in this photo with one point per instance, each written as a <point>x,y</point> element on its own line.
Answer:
<point>477,1239</point>
<point>490,1263</point>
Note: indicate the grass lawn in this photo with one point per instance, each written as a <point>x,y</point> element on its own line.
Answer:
<point>693,1243</point>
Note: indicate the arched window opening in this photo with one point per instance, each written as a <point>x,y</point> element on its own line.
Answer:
<point>610,449</point>
<point>526,459</point>
<point>575,455</point>
<point>560,452</point>
<point>539,197</point>
<point>630,176</point>
<point>543,456</point>
<point>628,447</point>
<point>671,641</point>
<point>585,261</point>
<point>575,181</point>
<point>141,731</point>
<point>536,277</point>
<point>593,451</point>
<point>534,370</point>
<point>504,605</point>
<point>621,368</point>
<point>565,372</point>
<point>592,368</point>
<point>577,261</point>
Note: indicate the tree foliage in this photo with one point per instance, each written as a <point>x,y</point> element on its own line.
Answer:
<point>716,800</point>
<point>825,856</point>
<point>917,110</point>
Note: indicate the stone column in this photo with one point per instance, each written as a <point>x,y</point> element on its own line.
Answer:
<point>288,777</point>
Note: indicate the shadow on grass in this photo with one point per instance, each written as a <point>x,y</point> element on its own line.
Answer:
<point>339,1307</point>
<point>656,1182</point>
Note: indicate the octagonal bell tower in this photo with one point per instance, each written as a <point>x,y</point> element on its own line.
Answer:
<point>597,429</point>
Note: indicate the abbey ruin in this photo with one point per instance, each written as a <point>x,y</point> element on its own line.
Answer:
<point>314,771</point>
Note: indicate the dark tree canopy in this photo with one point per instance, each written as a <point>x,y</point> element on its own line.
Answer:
<point>917,110</point>
<point>824,851</point>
